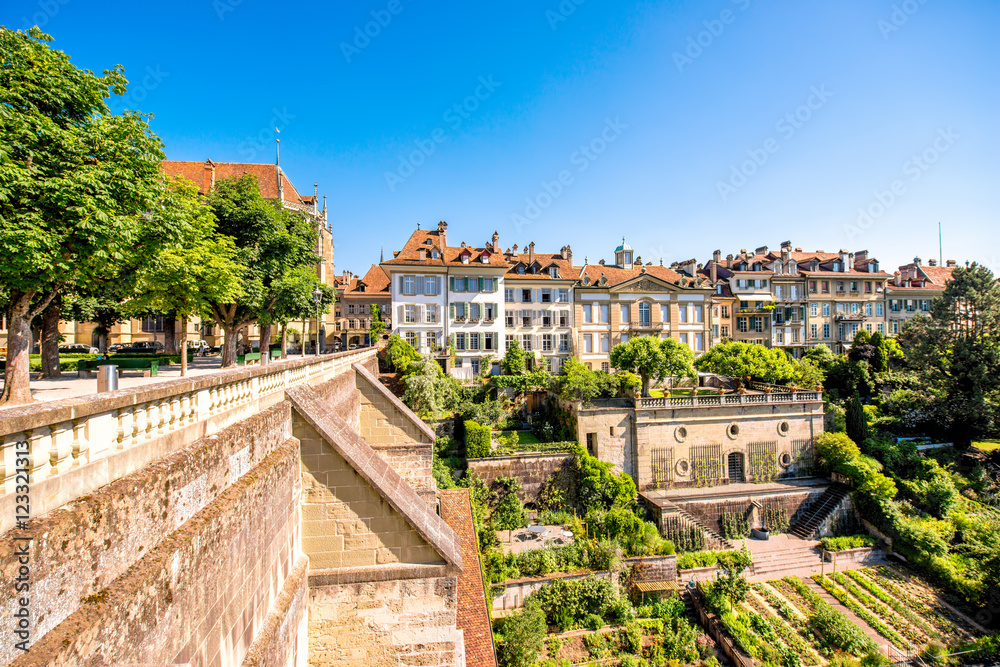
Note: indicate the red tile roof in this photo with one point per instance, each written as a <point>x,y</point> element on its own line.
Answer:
<point>202,173</point>
<point>939,275</point>
<point>375,281</point>
<point>616,275</point>
<point>544,260</point>
<point>430,240</point>
<point>473,613</point>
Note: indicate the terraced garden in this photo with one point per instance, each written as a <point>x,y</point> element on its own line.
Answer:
<point>786,621</point>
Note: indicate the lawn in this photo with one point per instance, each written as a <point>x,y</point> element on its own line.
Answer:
<point>987,445</point>
<point>523,437</point>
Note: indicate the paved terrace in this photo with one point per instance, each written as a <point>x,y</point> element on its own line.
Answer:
<point>665,497</point>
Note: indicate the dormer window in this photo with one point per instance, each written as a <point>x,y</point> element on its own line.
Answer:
<point>777,267</point>
<point>428,242</point>
<point>873,267</point>
<point>792,268</point>
<point>465,258</point>
<point>553,272</point>
<point>520,269</point>
<point>484,258</point>
<point>627,258</point>
<point>434,254</point>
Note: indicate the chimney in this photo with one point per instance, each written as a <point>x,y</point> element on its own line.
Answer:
<point>916,261</point>
<point>845,259</point>
<point>932,262</point>
<point>443,235</point>
<point>566,253</point>
<point>209,182</point>
<point>761,250</point>
<point>798,250</point>
<point>950,263</point>
<point>729,261</point>
<point>860,256</point>
<point>786,244</point>
<point>713,266</point>
<point>496,241</point>
<point>531,252</point>
<point>786,252</point>
<point>515,248</point>
<point>601,263</point>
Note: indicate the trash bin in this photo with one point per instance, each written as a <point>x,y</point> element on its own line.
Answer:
<point>107,378</point>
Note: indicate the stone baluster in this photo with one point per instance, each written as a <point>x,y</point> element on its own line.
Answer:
<point>39,455</point>
<point>8,462</point>
<point>81,443</point>
<point>160,406</point>
<point>60,447</point>
<point>141,417</point>
<point>185,409</point>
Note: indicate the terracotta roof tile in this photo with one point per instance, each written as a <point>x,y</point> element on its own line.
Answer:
<point>617,275</point>
<point>201,173</point>
<point>939,275</point>
<point>375,281</point>
<point>473,614</point>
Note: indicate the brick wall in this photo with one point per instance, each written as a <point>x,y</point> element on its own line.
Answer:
<point>84,549</point>
<point>530,469</point>
<point>345,522</point>
<point>397,623</point>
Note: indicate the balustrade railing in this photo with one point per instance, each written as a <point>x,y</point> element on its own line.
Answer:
<point>654,402</point>
<point>76,445</point>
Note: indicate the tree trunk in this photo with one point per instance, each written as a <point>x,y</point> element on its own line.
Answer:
<point>645,385</point>
<point>169,335</point>
<point>17,378</point>
<point>184,351</point>
<point>228,345</point>
<point>49,342</point>
<point>102,341</point>
<point>284,340</point>
<point>265,343</point>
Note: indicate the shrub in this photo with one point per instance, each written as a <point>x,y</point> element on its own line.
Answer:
<point>835,449</point>
<point>847,542</point>
<point>477,440</point>
<point>600,486</point>
<point>593,622</point>
<point>399,354</point>
<point>508,512</point>
<point>520,636</point>
<point>566,603</point>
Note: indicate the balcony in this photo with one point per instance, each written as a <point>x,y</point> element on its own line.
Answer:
<point>645,326</point>
<point>850,317</point>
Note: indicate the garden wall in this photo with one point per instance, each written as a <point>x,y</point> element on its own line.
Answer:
<point>864,555</point>
<point>709,512</point>
<point>698,574</point>
<point>517,590</point>
<point>532,470</point>
<point>655,568</point>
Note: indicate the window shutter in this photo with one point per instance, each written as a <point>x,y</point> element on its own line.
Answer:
<point>452,279</point>
<point>437,285</point>
<point>401,317</point>
<point>402,283</point>
<point>419,284</point>
<point>480,285</point>
<point>496,284</point>
<point>496,311</point>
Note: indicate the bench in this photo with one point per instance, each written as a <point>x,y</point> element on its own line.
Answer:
<point>276,353</point>
<point>149,367</point>
<point>243,359</point>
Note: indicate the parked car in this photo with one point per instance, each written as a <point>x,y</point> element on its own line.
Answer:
<point>142,347</point>
<point>78,348</point>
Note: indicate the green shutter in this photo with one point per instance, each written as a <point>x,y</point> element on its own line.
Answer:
<point>480,285</point>
<point>452,309</point>
<point>452,279</point>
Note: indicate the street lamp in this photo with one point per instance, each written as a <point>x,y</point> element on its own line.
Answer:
<point>317,298</point>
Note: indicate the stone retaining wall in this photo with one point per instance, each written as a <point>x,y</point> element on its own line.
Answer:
<point>517,590</point>
<point>532,470</point>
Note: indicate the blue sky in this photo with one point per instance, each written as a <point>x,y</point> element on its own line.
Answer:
<point>684,126</point>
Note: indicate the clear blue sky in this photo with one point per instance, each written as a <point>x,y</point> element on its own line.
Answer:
<point>677,117</point>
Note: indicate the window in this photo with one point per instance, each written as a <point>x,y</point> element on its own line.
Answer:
<point>564,318</point>
<point>779,336</point>
<point>604,313</point>
<point>795,335</point>
<point>925,305</point>
<point>458,311</point>
<point>508,341</point>
<point>588,313</point>
<point>606,367</point>
<point>546,342</point>
<point>525,318</point>
<point>546,318</point>
<point>489,311</point>
<point>432,340</point>
<point>645,317</point>
<point>699,342</point>
<point>758,324</point>
<point>814,309</point>
<point>814,331</point>
<point>473,341</point>
<point>546,295</point>
<point>553,272</point>
<point>564,342</point>
<point>605,339</point>
<point>588,343</point>
<point>487,284</point>
<point>350,309</point>
<point>665,313</point>
<point>508,296</point>
<point>410,314</point>
<point>741,324</point>
<point>826,330</point>
<point>880,328</point>
<point>812,286</point>
<point>460,341</point>
<point>411,338</point>
<point>431,314</point>
<point>725,312</point>
<point>409,285</point>
<point>684,338</point>
<point>855,308</point>
<point>474,311</point>
<point>430,285</point>
<point>624,338</point>
<point>725,331</point>
<point>778,290</point>
<point>826,287</point>
<point>841,332</point>
<point>508,318</point>
<point>526,342</point>
<point>868,287</point>
<point>526,296</point>
<point>683,311</point>
<point>624,313</point>
<point>826,310</point>
<point>153,324</point>
<point>869,309</point>
<point>563,296</point>
<point>895,326</point>
<point>868,327</point>
<point>699,314</point>
<point>879,310</point>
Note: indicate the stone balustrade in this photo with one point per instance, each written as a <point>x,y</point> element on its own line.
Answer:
<point>76,445</point>
<point>654,402</point>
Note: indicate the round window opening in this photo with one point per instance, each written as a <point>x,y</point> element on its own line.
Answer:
<point>784,428</point>
<point>680,433</point>
<point>683,467</point>
<point>734,430</point>
<point>785,459</point>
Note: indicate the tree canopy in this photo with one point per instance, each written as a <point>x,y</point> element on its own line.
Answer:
<point>75,180</point>
<point>653,359</point>
<point>742,360</point>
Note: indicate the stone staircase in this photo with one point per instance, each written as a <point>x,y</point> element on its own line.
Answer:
<point>809,523</point>
<point>713,540</point>
<point>785,561</point>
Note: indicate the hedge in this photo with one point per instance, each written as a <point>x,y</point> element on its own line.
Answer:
<point>477,440</point>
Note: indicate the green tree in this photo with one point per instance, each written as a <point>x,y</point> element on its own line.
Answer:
<point>513,361</point>
<point>377,325</point>
<point>428,390</point>
<point>578,382</point>
<point>857,423</point>
<point>957,353</point>
<point>821,356</point>
<point>880,361</point>
<point>74,181</point>
<point>399,354</point>
<point>600,486</point>
<point>273,245</point>
<point>520,636</point>
<point>741,360</point>
<point>653,359</point>
<point>196,269</point>
<point>835,449</point>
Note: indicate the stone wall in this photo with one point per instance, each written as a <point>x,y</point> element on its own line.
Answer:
<point>613,431</point>
<point>655,568</point>
<point>409,619</point>
<point>530,469</point>
<point>709,512</point>
<point>345,522</point>
<point>183,561</point>
<point>517,590</point>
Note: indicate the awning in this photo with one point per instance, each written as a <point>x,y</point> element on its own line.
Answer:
<point>655,586</point>
<point>755,296</point>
